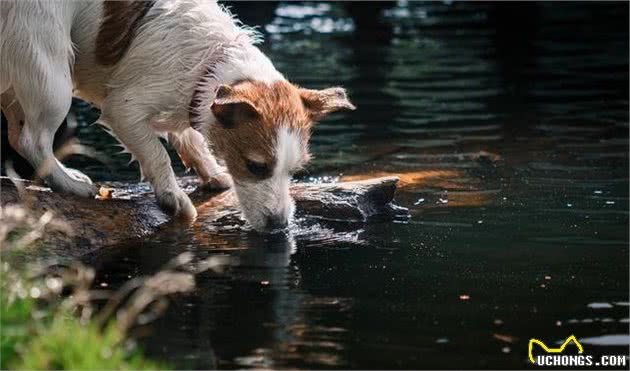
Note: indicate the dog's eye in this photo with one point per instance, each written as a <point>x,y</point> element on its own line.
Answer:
<point>258,169</point>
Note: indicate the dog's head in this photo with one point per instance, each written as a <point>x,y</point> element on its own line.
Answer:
<point>261,131</point>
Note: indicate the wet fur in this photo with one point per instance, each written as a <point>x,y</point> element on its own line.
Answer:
<point>121,19</point>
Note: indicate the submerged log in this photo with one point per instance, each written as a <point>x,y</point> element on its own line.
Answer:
<point>132,212</point>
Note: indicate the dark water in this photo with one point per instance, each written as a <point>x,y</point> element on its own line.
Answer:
<point>509,127</point>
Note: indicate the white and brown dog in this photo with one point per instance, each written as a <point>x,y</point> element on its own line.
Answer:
<point>185,69</point>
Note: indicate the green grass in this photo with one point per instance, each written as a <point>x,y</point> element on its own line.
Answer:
<point>39,328</point>
<point>15,326</point>
<point>48,336</point>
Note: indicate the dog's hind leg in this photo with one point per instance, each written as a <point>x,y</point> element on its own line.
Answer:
<point>194,152</point>
<point>15,121</point>
<point>44,100</point>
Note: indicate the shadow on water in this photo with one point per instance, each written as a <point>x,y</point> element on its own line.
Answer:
<point>508,125</point>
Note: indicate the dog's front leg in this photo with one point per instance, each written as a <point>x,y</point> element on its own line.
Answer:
<point>194,152</point>
<point>134,131</point>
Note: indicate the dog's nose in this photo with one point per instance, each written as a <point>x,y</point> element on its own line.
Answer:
<point>276,222</point>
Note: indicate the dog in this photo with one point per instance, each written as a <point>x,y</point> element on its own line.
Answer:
<point>185,70</point>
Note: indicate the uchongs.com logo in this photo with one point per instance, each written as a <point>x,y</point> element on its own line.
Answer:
<point>554,356</point>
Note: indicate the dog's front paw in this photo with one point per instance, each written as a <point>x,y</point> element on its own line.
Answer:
<point>219,182</point>
<point>178,204</point>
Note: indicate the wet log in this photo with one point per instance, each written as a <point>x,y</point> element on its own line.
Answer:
<point>132,212</point>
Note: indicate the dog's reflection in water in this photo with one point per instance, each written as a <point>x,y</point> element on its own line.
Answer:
<point>254,288</point>
<point>273,251</point>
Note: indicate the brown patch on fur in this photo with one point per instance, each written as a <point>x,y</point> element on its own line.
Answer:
<point>276,106</point>
<point>319,103</point>
<point>121,20</point>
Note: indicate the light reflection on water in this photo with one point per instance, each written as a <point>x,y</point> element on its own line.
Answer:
<point>510,135</point>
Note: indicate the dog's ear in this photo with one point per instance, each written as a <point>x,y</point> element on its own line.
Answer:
<point>319,103</point>
<point>229,108</point>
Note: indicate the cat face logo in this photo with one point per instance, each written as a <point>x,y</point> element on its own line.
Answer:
<point>553,350</point>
